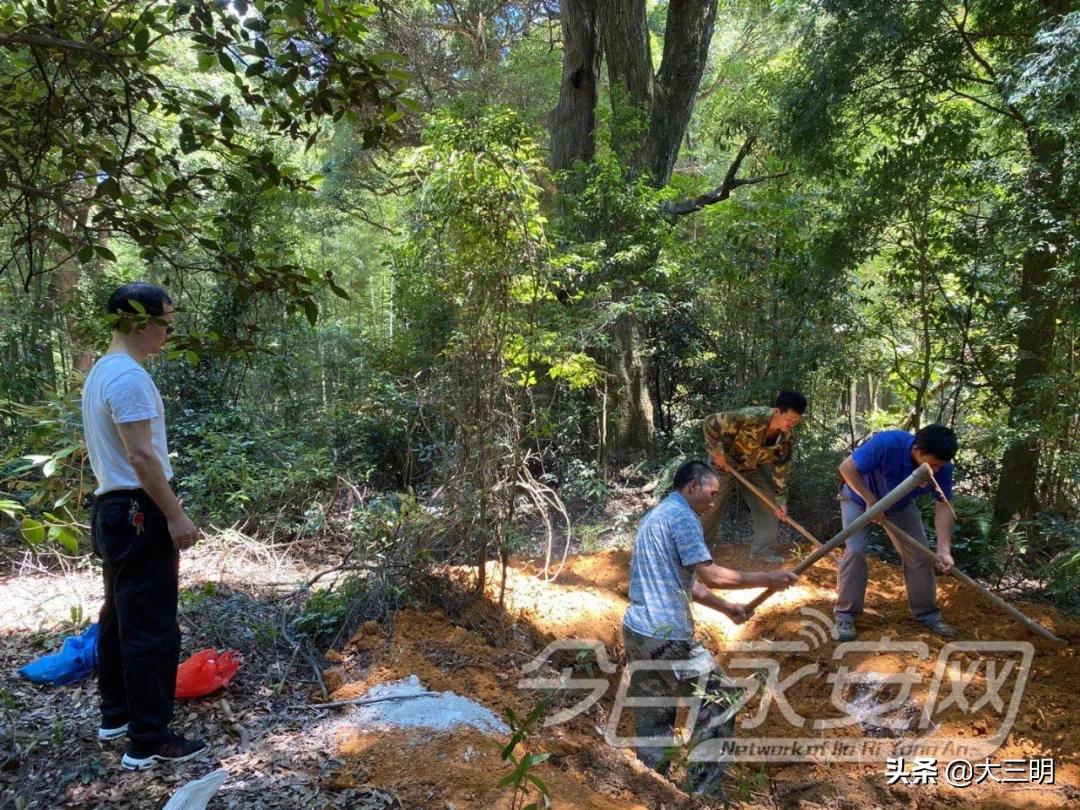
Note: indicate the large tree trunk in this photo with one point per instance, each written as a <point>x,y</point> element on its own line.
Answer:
<point>573,122</point>
<point>630,410</point>
<point>64,288</point>
<point>1017,493</point>
<point>625,32</point>
<point>689,31</point>
<point>650,115</point>
<point>1017,487</point>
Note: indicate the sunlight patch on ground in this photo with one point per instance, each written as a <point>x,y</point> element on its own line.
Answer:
<point>35,599</point>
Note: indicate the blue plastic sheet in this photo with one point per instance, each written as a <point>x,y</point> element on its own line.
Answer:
<point>74,661</point>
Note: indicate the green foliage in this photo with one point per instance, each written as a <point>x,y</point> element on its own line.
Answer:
<point>581,481</point>
<point>481,239</point>
<point>194,597</point>
<point>110,143</point>
<point>822,445</point>
<point>372,437</point>
<point>233,467</point>
<point>425,319</point>
<point>379,527</point>
<point>1062,571</point>
<point>756,311</point>
<point>479,247</point>
<point>1045,86</point>
<point>590,536</point>
<point>93,771</point>
<point>977,547</point>
<point>610,230</point>
<point>1048,79</point>
<point>946,131</point>
<point>326,609</point>
<point>45,472</point>
<point>391,538</point>
<point>521,779</point>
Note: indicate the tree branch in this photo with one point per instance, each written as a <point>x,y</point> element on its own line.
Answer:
<point>36,40</point>
<point>1007,113</point>
<point>731,182</point>
<point>961,29</point>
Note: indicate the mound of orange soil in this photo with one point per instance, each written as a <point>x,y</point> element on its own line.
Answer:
<point>480,654</point>
<point>462,768</point>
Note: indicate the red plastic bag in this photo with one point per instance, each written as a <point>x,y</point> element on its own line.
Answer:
<point>205,672</point>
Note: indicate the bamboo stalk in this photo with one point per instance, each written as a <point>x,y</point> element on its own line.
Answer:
<point>903,488</point>
<point>787,518</point>
<point>896,533</point>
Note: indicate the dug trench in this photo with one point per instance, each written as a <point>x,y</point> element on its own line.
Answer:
<point>477,650</point>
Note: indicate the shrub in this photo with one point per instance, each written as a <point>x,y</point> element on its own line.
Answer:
<point>44,474</point>
<point>977,548</point>
<point>1062,571</point>
<point>229,466</point>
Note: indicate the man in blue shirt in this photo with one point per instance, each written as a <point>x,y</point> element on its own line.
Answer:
<point>671,567</point>
<point>874,469</point>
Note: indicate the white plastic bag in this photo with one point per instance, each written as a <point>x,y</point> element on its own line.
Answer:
<point>195,794</point>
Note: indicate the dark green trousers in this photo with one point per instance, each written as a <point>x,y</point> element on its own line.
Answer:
<point>659,721</point>
<point>766,524</point>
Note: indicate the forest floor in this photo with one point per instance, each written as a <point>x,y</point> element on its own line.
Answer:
<point>282,751</point>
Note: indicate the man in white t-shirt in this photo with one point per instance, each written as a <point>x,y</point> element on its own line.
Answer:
<point>138,529</point>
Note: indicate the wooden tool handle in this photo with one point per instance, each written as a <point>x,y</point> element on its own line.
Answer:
<point>787,519</point>
<point>897,533</point>
<point>903,488</point>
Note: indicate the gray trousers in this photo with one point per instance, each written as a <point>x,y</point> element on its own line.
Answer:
<point>660,721</point>
<point>853,574</point>
<point>766,523</point>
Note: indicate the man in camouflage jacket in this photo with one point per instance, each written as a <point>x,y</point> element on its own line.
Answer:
<point>754,441</point>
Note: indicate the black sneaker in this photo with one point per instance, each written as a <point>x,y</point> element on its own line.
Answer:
<point>174,749</point>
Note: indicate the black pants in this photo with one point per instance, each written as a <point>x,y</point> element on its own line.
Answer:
<point>138,641</point>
